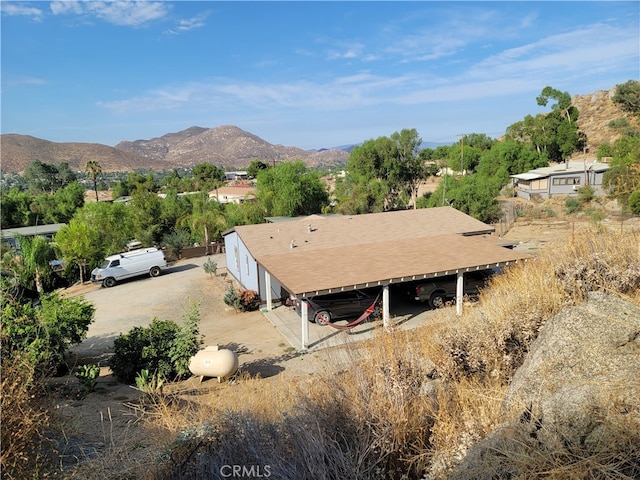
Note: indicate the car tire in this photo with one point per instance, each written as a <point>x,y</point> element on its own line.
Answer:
<point>109,282</point>
<point>322,317</point>
<point>437,300</point>
<point>154,272</point>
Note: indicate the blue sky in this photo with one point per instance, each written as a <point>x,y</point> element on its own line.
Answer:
<point>305,74</point>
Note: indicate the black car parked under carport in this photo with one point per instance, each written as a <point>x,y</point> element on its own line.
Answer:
<point>322,309</point>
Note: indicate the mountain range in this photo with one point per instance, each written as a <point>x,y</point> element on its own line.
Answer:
<point>226,146</point>
<point>233,148</point>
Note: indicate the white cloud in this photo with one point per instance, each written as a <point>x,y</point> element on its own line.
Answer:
<point>347,52</point>
<point>130,13</point>
<point>188,24</point>
<point>24,80</point>
<point>584,49</point>
<point>16,9</point>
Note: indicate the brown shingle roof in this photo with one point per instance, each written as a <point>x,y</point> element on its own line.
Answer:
<point>346,251</point>
<point>343,231</point>
<point>386,262</point>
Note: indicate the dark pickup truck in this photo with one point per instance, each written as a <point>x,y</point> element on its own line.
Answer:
<point>437,291</point>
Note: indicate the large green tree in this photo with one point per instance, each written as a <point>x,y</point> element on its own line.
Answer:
<point>46,177</point>
<point>207,176</point>
<point>145,210</point>
<point>291,189</point>
<point>628,96</point>
<point>556,133</point>
<point>255,167</point>
<point>112,226</point>
<point>79,243</point>
<point>15,209</point>
<point>382,174</point>
<point>622,180</point>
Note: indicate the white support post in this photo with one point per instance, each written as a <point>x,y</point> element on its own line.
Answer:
<point>305,325</point>
<point>459,292</point>
<point>385,306</point>
<point>267,286</point>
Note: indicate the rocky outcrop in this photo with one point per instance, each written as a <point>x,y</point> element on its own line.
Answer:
<point>597,110</point>
<point>576,394</point>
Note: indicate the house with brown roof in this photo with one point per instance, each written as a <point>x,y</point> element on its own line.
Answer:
<point>322,255</point>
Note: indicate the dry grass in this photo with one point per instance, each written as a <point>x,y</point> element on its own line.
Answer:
<point>494,337</point>
<point>407,405</point>
<point>24,421</point>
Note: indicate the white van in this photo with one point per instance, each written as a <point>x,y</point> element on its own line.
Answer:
<point>129,264</point>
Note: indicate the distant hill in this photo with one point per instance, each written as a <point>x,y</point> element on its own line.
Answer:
<point>232,148</point>
<point>225,146</point>
<point>17,151</point>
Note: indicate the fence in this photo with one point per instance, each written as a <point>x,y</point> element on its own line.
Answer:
<point>508,218</point>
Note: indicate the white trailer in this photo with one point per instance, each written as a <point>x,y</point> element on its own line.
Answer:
<point>117,267</point>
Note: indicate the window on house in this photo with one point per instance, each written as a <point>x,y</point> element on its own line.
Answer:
<point>236,258</point>
<point>566,181</point>
<point>246,262</point>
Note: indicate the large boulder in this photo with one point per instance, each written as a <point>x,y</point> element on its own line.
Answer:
<point>575,394</point>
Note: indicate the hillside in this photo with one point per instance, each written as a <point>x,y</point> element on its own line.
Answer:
<point>19,150</point>
<point>226,146</point>
<point>596,111</point>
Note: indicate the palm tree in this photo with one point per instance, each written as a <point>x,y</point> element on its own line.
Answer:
<point>93,169</point>
<point>36,253</point>
<point>208,216</point>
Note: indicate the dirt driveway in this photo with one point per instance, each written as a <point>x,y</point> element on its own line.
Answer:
<point>168,297</point>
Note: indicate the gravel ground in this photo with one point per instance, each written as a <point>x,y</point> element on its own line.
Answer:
<point>167,297</point>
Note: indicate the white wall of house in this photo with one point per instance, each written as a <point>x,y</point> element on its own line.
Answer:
<point>276,288</point>
<point>247,272</point>
<point>240,264</point>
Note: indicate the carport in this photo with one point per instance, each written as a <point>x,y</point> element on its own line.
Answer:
<point>384,264</point>
<point>319,255</point>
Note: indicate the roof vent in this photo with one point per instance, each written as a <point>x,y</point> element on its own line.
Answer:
<point>309,229</point>
<point>293,244</point>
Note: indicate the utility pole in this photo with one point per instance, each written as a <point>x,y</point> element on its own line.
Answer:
<point>462,135</point>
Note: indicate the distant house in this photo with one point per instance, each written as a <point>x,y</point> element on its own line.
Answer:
<point>10,235</point>
<point>239,175</point>
<point>560,179</point>
<point>238,194</point>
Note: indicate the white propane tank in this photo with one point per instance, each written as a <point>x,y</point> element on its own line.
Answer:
<point>214,362</point>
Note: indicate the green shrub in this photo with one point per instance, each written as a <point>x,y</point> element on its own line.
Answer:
<point>177,241</point>
<point>586,194</point>
<point>573,205</point>
<point>150,384</point>
<point>88,375</point>
<point>243,301</point>
<point>210,267</point>
<point>618,123</point>
<point>187,342</point>
<point>231,298</point>
<point>45,334</point>
<point>634,202</point>
<point>163,348</point>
